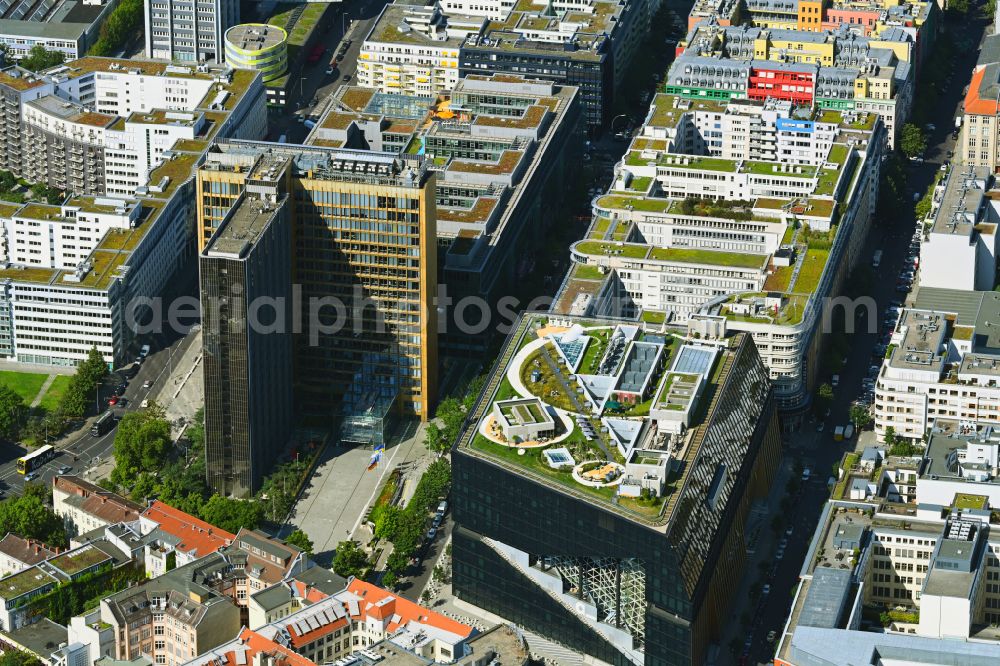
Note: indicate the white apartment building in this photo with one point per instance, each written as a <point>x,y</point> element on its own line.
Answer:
<point>189,31</point>
<point>52,316</point>
<point>959,251</point>
<point>938,570</point>
<point>941,364</point>
<point>726,211</point>
<point>413,49</point>
<point>62,236</point>
<point>135,146</point>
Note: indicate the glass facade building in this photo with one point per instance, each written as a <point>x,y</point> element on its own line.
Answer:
<point>247,352</point>
<point>364,267</point>
<point>660,586</point>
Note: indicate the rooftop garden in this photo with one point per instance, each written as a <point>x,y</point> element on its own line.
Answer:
<point>356,98</point>
<point>178,169</point>
<point>775,169</point>
<point>28,274</point>
<point>190,145</point>
<point>587,272</point>
<point>647,204</point>
<point>698,162</point>
<point>640,184</point>
<point>81,560</point>
<point>628,251</point>
<point>634,158</point>
<point>653,316</point>
<point>838,153</point>
<point>826,182</point>
<point>713,257</point>
<point>26,581</point>
<point>811,271</point>
<point>731,210</point>
<point>969,501</point>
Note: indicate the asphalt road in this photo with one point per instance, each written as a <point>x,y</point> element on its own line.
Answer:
<point>353,20</point>
<point>79,450</point>
<point>817,450</point>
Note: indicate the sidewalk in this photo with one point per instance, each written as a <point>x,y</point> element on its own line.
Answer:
<point>182,392</point>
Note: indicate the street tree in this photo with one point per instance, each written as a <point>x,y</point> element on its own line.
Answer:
<point>300,540</point>
<point>349,559</point>
<point>860,416</point>
<point>142,444</point>
<point>12,412</point>
<point>912,140</point>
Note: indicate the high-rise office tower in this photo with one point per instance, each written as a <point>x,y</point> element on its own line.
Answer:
<point>363,273</point>
<point>189,30</point>
<point>625,539</point>
<point>245,275</point>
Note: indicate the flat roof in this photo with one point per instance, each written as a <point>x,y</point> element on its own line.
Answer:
<point>242,228</point>
<point>826,598</point>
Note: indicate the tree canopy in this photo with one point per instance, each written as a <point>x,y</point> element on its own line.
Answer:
<point>349,559</point>
<point>80,393</point>
<point>118,28</point>
<point>142,444</point>
<point>40,58</point>
<point>28,517</point>
<point>232,514</point>
<point>300,539</point>
<point>12,412</point>
<point>912,140</point>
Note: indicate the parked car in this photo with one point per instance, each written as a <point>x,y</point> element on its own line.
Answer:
<point>144,404</point>
<point>65,469</point>
<point>113,400</point>
<point>144,351</point>
<point>147,384</point>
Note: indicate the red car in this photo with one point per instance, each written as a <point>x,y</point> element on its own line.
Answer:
<point>113,400</point>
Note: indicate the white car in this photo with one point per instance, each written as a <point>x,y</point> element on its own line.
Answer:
<point>144,404</point>
<point>147,384</point>
<point>806,473</point>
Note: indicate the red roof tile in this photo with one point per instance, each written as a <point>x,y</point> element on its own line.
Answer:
<point>258,644</point>
<point>407,610</point>
<point>195,534</point>
<point>975,104</point>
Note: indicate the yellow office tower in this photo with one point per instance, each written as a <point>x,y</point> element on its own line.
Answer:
<point>364,265</point>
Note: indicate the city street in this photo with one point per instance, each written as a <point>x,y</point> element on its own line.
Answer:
<point>79,450</point>
<point>356,18</point>
<point>819,451</point>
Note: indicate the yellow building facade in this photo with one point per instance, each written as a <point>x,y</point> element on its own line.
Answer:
<point>364,243</point>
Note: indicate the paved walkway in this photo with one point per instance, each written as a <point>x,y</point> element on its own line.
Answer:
<point>41,392</point>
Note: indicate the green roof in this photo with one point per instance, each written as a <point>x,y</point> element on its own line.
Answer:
<point>649,204</point>
<point>26,581</point>
<point>712,257</point>
<point>627,250</point>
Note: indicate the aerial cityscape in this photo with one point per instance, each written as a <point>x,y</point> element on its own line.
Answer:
<point>499,333</point>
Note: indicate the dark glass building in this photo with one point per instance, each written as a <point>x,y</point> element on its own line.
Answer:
<point>629,580</point>
<point>247,344</point>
